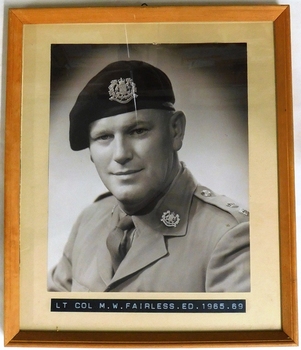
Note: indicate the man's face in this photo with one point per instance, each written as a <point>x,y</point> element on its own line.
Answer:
<point>135,154</point>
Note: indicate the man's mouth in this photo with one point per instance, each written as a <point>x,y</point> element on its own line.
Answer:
<point>126,172</point>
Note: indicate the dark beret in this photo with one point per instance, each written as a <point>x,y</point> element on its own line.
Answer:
<point>121,87</point>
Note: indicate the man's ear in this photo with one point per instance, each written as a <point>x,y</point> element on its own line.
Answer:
<point>178,124</point>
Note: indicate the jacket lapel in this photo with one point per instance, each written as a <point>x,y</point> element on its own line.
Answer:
<point>148,247</point>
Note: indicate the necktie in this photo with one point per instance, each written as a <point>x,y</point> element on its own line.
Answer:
<point>117,240</point>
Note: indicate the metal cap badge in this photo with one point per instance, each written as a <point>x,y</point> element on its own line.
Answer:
<point>122,90</point>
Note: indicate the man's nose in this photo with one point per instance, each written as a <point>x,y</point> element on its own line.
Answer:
<point>122,151</point>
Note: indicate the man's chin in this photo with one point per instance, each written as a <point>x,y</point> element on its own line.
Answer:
<point>131,202</point>
<point>127,198</point>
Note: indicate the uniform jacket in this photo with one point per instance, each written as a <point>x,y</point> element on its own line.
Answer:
<point>206,251</point>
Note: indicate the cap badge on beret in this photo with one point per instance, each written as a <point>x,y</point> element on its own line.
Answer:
<point>122,90</point>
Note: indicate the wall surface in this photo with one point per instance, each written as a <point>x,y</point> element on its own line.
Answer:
<point>296,65</point>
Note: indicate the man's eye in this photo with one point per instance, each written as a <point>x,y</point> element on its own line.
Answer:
<point>139,131</point>
<point>104,137</point>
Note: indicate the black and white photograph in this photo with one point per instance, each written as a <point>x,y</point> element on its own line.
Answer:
<point>148,168</point>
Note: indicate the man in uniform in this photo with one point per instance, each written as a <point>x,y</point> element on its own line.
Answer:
<point>157,229</point>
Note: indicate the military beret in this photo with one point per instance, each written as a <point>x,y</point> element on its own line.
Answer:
<point>121,87</point>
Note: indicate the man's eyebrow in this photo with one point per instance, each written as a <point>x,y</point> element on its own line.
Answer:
<point>139,122</point>
<point>128,126</point>
<point>136,123</point>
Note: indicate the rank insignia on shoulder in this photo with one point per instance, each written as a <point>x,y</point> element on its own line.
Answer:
<point>170,219</point>
<point>244,212</point>
<point>122,90</point>
<point>232,205</point>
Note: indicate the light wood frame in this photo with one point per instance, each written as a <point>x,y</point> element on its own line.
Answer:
<point>280,17</point>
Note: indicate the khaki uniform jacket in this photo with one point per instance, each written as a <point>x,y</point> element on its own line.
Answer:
<point>206,251</point>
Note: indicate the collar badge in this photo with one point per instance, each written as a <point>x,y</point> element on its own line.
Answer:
<point>122,90</point>
<point>170,219</point>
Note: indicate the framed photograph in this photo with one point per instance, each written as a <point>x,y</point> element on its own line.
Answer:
<point>149,189</point>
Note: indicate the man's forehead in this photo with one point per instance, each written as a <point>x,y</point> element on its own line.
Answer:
<point>133,118</point>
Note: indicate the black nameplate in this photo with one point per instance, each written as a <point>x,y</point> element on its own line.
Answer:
<point>148,306</point>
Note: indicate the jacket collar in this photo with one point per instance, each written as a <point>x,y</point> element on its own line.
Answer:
<point>170,216</point>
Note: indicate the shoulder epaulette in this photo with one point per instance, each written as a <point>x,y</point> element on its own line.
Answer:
<point>222,202</point>
<point>102,196</point>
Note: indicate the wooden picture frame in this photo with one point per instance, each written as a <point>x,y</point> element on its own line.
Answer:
<point>278,18</point>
